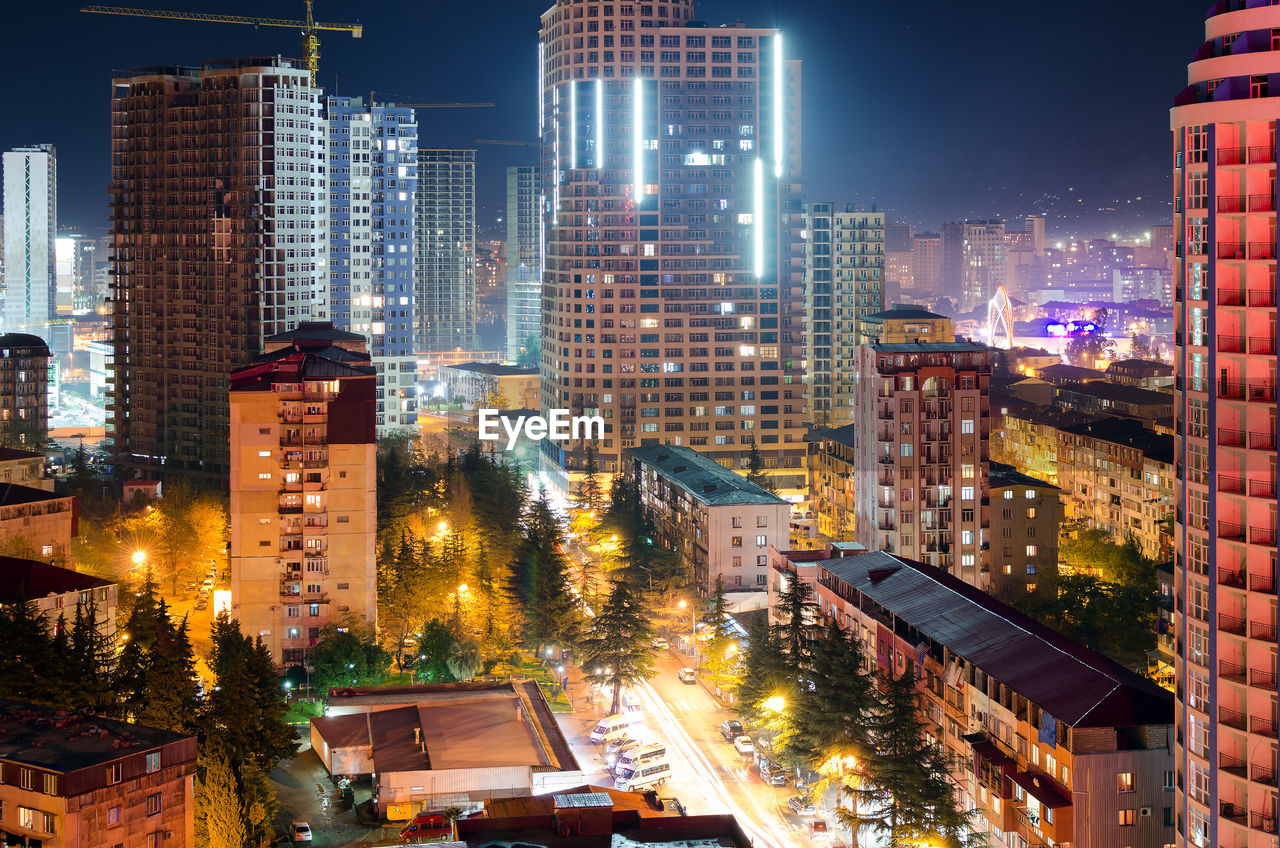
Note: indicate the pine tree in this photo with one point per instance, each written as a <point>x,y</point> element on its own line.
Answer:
<point>93,655</point>
<point>755,468</point>
<point>764,668</point>
<point>590,493</point>
<point>833,718</point>
<point>221,821</point>
<point>539,580</point>
<point>435,646</point>
<point>617,650</point>
<point>797,632</point>
<point>28,655</point>
<point>245,711</point>
<point>169,695</point>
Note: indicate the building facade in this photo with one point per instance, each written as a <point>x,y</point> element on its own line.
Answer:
<point>1025,516</point>
<point>844,283</point>
<point>373,179</point>
<point>983,262</point>
<point>926,261</point>
<point>833,459</point>
<point>671,288</point>
<point>445,251</point>
<point>30,234</point>
<point>1052,744</point>
<point>476,384</point>
<point>69,780</point>
<point>58,592</point>
<point>24,391</point>
<point>524,261</point>
<point>924,412</point>
<point>38,523</point>
<point>218,219</point>
<point>720,524</point>
<point>303,489</point>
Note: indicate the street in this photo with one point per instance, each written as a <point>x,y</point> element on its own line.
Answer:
<point>708,775</point>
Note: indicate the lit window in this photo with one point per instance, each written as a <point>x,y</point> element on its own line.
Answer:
<point>153,761</point>
<point>1030,494</point>
<point>966,493</point>
<point>1125,781</point>
<point>1008,494</point>
<point>265,453</point>
<point>1127,818</point>
<point>1031,550</point>
<point>264,475</point>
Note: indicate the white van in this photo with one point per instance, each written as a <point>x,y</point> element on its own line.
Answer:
<point>641,755</point>
<point>610,727</point>
<point>647,776</point>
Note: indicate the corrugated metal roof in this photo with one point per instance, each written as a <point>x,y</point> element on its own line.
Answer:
<point>584,799</point>
<point>702,477</point>
<point>1072,683</point>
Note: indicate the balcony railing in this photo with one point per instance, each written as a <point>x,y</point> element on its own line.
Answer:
<point>1264,774</point>
<point>1231,297</point>
<point>1231,389</point>
<point>1262,536</point>
<point>1262,344</point>
<point>1231,203</point>
<point>1230,624</point>
<point>1264,727</point>
<point>1231,765</point>
<point>1230,344</point>
<point>1230,250</point>
<point>1262,583</point>
<point>1262,153</point>
<point>1230,485</point>
<point>1262,392</point>
<point>1227,577</point>
<point>1262,489</point>
<point>1262,441</point>
<point>1262,250</point>
<point>1232,156</point>
<point>1231,671</point>
<point>1230,438</point>
<point>1262,679</point>
<point>1265,823</point>
<point>1262,203</point>
<point>1227,530</point>
<point>1231,718</point>
<point>1262,631</point>
<point>1262,297</point>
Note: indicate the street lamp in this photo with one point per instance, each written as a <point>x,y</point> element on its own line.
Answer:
<point>139,557</point>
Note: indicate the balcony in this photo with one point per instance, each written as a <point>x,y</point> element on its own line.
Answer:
<point>1262,536</point>
<point>1230,438</point>
<point>1262,203</point>
<point>1262,154</point>
<point>1231,250</point>
<point>1262,250</point>
<point>1230,344</point>
<point>1262,344</point>
<point>1262,489</point>
<point>1262,392</point>
<point>1232,156</point>
<point>1227,577</point>
<point>1230,624</point>
<point>1262,441</point>
<point>1262,631</point>
<point>1231,203</point>
<point>1262,679</point>
<point>1262,297</point>
<point>1263,727</point>
<point>1233,766</point>
<point>1231,671</point>
<point>1267,823</point>
<point>1230,485</point>
<point>1265,583</point>
<point>1264,774</point>
<point>1231,532</point>
<point>1231,390</point>
<point>1231,297</point>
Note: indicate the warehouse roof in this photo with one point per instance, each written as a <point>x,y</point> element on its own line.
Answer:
<point>64,741</point>
<point>1074,684</point>
<point>703,478</point>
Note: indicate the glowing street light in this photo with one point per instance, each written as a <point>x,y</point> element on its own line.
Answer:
<point>775,704</point>
<point>139,557</point>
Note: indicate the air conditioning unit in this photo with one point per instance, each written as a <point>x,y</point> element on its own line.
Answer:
<point>1145,812</point>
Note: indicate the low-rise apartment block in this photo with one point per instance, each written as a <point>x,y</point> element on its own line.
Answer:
<point>1025,514</point>
<point>38,523</point>
<point>58,591</point>
<point>1052,744</point>
<point>69,780</point>
<point>720,523</point>
<point>832,458</point>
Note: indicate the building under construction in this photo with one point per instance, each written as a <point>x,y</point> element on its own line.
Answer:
<point>218,222</point>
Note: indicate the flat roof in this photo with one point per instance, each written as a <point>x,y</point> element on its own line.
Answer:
<point>64,741</point>
<point>493,369</point>
<point>645,803</point>
<point>10,454</point>
<point>31,579</point>
<point>1000,474</point>
<point>11,494</point>
<point>1106,390</point>
<point>479,734</point>
<point>928,347</point>
<point>702,477</point>
<point>1127,432</point>
<point>1072,683</point>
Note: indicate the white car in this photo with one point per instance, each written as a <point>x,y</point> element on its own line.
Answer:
<point>661,643</point>
<point>301,831</point>
<point>802,806</point>
<point>687,675</point>
<point>743,745</point>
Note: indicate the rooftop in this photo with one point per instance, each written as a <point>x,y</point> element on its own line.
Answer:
<point>1070,682</point>
<point>309,352</point>
<point>493,369</point>
<point>23,340</point>
<point>928,347</point>
<point>1127,432</point>
<point>1062,371</point>
<point>1143,367</point>
<point>64,742</point>
<point>903,312</point>
<point>1107,390</point>
<point>703,478</point>
<point>11,494</point>
<point>11,454</point>
<point>846,435</point>
<point>1006,475</point>
<point>29,579</point>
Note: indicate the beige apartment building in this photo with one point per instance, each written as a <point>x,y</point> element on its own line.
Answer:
<point>1025,514</point>
<point>303,488</point>
<point>721,524</point>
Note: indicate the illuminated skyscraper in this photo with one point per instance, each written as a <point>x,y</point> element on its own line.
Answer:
<point>445,251</point>
<point>373,174</point>
<point>524,260</point>
<point>1224,127</point>
<point>671,289</point>
<point>30,230</point>
<point>218,219</point>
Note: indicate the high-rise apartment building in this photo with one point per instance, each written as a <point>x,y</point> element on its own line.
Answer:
<point>983,262</point>
<point>524,261</point>
<point>952,258</point>
<point>30,232</point>
<point>24,391</point>
<point>844,283</point>
<point>923,461</point>
<point>218,219</point>
<point>1224,128</point>
<point>373,177</point>
<point>926,261</point>
<point>672,284</point>
<point>445,251</point>
<point>303,488</point>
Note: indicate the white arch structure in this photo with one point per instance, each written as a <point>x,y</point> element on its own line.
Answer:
<point>1000,320</point>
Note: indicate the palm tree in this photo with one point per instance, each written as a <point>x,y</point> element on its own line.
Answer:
<point>464,660</point>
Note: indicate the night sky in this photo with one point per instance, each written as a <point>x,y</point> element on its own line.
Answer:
<point>933,109</point>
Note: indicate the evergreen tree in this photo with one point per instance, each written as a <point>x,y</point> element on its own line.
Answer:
<point>93,657</point>
<point>245,711</point>
<point>347,655</point>
<point>833,718</point>
<point>755,469</point>
<point>169,695</point>
<point>764,668</point>
<point>617,650</point>
<point>539,580</point>
<point>435,646</point>
<point>904,795</point>
<point>797,632</point>
<point>590,493</point>
<point>221,820</point>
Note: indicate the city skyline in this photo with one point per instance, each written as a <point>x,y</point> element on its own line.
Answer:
<point>1073,119</point>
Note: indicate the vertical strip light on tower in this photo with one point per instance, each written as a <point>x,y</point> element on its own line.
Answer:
<point>573,124</point>
<point>541,81</point>
<point>599,123</point>
<point>779,113</point>
<point>638,165</point>
<point>757,216</point>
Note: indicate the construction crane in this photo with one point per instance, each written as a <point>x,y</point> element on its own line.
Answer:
<point>309,26</point>
<point>507,142</point>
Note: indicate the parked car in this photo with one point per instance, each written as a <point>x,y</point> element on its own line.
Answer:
<point>802,806</point>
<point>661,643</point>
<point>743,745</point>
<point>730,729</point>
<point>301,831</point>
<point>427,824</point>
<point>686,675</point>
<point>772,773</point>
